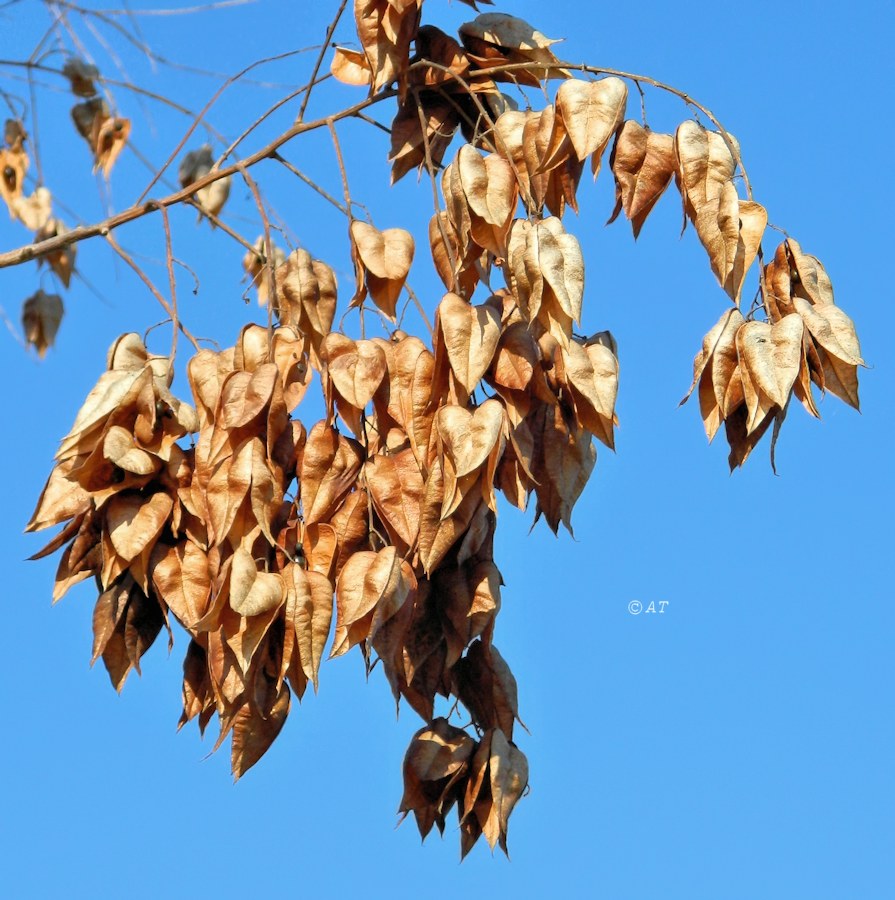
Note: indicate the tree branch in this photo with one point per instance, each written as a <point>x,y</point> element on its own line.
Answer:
<point>33,251</point>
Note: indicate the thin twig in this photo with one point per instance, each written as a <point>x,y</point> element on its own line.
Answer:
<point>310,183</point>
<point>342,171</point>
<point>206,108</point>
<point>419,307</point>
<point>642,102</point>
<point>35,135</point>
<point>268,249</point>
<point>152,288</point>
<point>324,47</point>
<point>189,269</point>
<point>430,168</point>
<point>596,70</point>
<point>172,281</point>
<point>220,223</point>
<point>371,121</point>
<point>12,329</point>
<point>306,90</point>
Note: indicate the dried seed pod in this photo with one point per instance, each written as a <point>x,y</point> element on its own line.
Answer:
<point>41,315</point>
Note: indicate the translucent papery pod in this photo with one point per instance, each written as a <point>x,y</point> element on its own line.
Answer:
<point>643,163</point>
<point>515,138</point>
<point>371,589</point>
<point>421,644</point>
<point>591,374</point>
<point>353,372</point>
<point>705,164</point>
<point>470,445</point>
<point>448,94</point>
<point>41,316</point>
<point>481,196</point>
<point>396,487</point>
<point>541,158</point>
<point>386,29</point>
<point>497,779</point>
<point>82,77</point>
<point>716,371</point>
<point>809,279</point>
<point>496,39</point>
<point>459,272</point>
<point>798,282</point>
<point>123,436</point>
<point>328,471</point>
<point>14,164</point>
<point>746,372</point>
<point>382,262</point>
<point>196,165</point>
<point>133,524</point>
<point>440,536</point>
<point>34,210</point>
<point>62,261</point>
<point>106,135</point>
<point>119,478</point>
<point>306,296</point>
<point>126,623</point>
<point>440,62</point>
<point>484,684</point>
<point>590,113</point>
<point>403,400</point>
<point>562,459</point>
<point>233,666</point>
<point>545,271</point>
<point>245,455</point>
<point>206,372</point>
<point>465,340</point>
<point>422,140</point>
<point>836,348</point>
<point>256,724</point>
<point>435,769</point>
<point>351,67</point>
<point>257,269</point>
<point>769,362</point>
<point>14,135</point>
<point>730,229</point>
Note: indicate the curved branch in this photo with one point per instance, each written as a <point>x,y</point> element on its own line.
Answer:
<point>661,85</point>
<point>76,235</point>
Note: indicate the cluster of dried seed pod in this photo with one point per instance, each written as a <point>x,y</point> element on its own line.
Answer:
<point>269,542</point>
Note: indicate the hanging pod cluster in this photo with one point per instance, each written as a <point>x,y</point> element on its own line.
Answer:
<point>274,544</point>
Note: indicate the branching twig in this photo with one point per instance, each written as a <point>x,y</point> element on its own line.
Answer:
<point>419,307</point>
<point>324,47</point>
<point>172,281</point>
<point>342,171</point>
<point>217,94</point>
<point>268,249</point>
<point>32,251</point>
<point>152,288</point>
<point>310,183</point>
<point>661,85</point>
<point>306,90</point>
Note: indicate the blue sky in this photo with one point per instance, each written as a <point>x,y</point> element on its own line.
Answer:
<point>737,745</point>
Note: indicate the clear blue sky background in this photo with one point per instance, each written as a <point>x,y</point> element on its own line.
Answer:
<point>737,746</point>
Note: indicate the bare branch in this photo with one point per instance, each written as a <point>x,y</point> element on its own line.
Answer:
<point>214,99</point>
<point>32,251</point>
<point>324,47</point>
<point>152,288</point>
